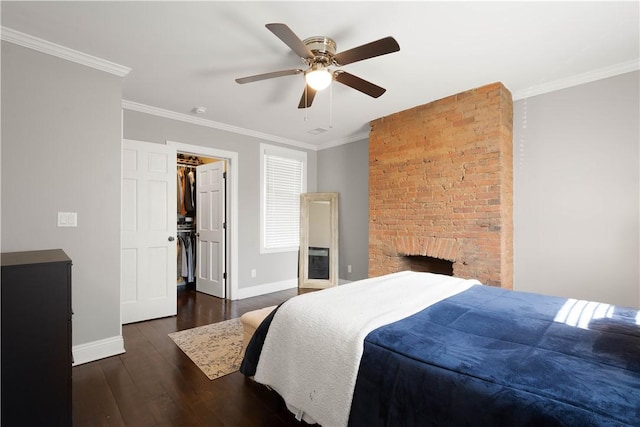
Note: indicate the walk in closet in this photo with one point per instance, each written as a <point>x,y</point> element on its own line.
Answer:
<point>186,209</point>
<point>200,242</point>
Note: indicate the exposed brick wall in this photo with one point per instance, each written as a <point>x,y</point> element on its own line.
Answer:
<point>441,184</point>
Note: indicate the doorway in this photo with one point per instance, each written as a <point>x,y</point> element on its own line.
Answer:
<point>201,224</point>
<point>149,227</point>
<point>230,209</point>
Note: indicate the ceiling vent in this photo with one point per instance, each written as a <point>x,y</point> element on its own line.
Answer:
<point>317,131</point>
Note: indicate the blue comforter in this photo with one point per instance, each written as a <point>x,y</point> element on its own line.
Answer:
<point>493,357</point>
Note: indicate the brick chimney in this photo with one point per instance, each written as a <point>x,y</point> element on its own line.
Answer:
<point>441,185</point>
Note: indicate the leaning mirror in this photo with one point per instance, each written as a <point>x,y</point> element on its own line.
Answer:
<point>318,263</point>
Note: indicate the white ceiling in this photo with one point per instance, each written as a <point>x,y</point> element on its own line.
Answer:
<point>187,54</point>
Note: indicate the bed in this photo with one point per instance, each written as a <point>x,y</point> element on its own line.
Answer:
<point>425,349</point>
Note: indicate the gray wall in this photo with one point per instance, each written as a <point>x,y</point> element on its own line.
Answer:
<point>61,134</point>
<point>576,192</point>
<point>269,268</point>
<point>345,169</point>
<point>61,147</point>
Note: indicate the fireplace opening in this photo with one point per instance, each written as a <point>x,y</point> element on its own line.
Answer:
<point>429,264</point>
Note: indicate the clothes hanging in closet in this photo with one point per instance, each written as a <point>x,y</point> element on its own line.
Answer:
<point>187,268</point>
<point>191,190</point>
<point>186,202</point>
<point>186,181</point>
<point>179,252</point>
<point>180,184</point>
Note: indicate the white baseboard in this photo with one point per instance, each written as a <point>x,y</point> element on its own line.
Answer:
<point>89,352</point>
<point>266,288</point>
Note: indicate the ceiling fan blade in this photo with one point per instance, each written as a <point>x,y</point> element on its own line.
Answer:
<point>289,38</point>
<point>307,97</point>
<point>265,76</point>
<point>366,51</point>
<point>357,83</point>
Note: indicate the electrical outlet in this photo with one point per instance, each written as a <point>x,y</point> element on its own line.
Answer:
<point>253,273</point>
<point>349,268</point>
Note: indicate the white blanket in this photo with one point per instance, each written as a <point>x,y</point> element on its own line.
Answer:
<point>312,351</point>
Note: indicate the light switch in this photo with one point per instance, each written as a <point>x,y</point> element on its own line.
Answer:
<point>67,219</point>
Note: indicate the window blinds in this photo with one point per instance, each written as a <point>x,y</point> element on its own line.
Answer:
<point>283,185</point>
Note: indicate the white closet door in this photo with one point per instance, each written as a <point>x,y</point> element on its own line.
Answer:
<point>148,281</point>
<point>210,218</point>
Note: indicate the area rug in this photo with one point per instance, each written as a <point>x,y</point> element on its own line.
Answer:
<point>216,349</point>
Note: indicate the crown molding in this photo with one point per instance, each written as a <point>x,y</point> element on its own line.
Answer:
<point>578,79</point>
<point>155,111</point>
<point>342,141</point>
<point>44,46</point>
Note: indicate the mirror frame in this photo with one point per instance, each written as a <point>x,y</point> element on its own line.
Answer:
<point>303,262</point>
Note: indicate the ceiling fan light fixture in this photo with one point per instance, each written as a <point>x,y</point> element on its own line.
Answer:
<point>318,77</point>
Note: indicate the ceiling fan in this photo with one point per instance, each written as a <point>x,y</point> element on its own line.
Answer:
<point>319,53</point>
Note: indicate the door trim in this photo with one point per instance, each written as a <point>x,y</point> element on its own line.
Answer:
<point>232,207</point>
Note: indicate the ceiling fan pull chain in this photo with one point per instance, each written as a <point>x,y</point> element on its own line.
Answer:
<point>305,102</point>
<point>330,106</point>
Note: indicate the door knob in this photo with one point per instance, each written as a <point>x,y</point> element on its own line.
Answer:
<point>171,238</point>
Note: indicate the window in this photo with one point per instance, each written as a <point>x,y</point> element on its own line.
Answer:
<point>283,178</point>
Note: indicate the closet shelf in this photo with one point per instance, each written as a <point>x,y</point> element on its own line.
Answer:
<point>188,160</point>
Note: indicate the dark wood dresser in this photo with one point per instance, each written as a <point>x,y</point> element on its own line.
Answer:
<point>36,338</point>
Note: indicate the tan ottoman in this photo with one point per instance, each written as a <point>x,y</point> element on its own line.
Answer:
<point>250,321</point>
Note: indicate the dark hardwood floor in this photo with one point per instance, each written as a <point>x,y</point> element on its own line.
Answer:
<point>155,384</point>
